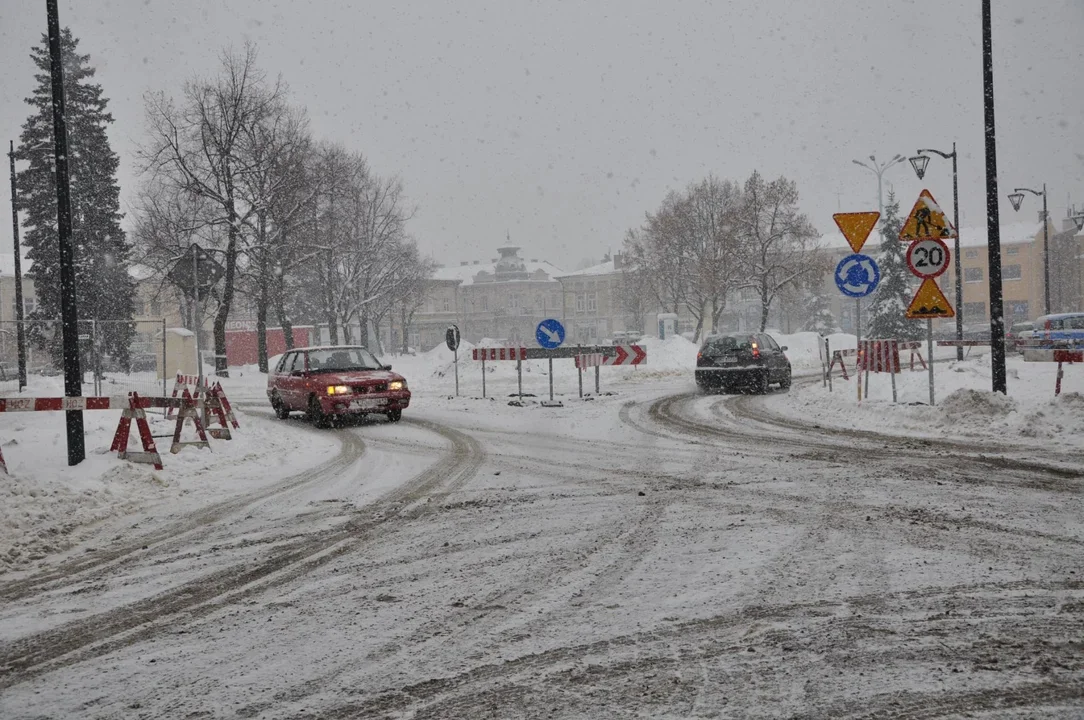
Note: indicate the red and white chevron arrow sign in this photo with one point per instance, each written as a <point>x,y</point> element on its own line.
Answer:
<point>627,355</point>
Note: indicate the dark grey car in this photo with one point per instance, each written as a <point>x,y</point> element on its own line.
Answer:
<point>745,360</point>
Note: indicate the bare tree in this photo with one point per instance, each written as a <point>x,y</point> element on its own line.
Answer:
<point>687,252</point>
<point>779,244</point>
<point>200,147</point>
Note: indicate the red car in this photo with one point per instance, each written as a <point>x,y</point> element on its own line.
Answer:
<point>329,381</point>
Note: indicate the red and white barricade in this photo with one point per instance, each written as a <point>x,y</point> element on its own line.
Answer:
<point>1060,356</point>
<point>134,407</point>
<point>588,360</point>
<point>627,355</point>
<point>881,355</point>
<point>500,353</point>
<point>191,382</point>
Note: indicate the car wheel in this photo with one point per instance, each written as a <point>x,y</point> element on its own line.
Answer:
<point>785,383</point>
<point>281,411</point>
<point>316,414</point>
<point>395,415</point>
<point>762,383</point>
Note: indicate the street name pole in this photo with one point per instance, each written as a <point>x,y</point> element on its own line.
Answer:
<point>993,231</point>
<point>20,329</point>
<point>69,316</point>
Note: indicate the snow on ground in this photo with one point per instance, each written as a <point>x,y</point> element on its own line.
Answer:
<point>47,506</point>
<point>964,406</point>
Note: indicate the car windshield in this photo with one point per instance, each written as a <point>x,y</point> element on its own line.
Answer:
<point>729,343</point>
<point>340,359</point>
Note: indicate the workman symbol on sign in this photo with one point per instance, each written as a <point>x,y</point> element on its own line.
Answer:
<point>923,217</point>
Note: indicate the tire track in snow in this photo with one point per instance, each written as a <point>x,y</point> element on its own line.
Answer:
<point>814,628</point>
<point>106,632</point>
<point>177,534</point>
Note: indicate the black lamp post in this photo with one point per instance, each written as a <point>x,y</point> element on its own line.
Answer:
<point>919,163</point>
<point>1017,199</point>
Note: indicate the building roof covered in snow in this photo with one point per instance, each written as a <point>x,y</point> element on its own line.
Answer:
<point>508,267</point>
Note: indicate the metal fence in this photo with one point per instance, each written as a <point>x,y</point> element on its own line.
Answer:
<point>104,372</point>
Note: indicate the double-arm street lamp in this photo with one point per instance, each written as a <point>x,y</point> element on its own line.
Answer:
<point>1017,199</point>
<point>878,169</point>
<point>919,163</point>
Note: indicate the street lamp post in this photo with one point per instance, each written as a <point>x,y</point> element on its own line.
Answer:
<point>877,169</point>
<point>919,164</point>
<point>1017,199</point>
<point>20,327</point>
<point>998,379</point>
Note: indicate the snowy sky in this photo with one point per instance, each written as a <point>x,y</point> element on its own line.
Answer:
<point>563,122</point>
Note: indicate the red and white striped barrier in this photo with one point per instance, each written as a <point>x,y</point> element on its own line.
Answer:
<point>879,353</point>
<point>627,355</point>
<point>134,407</point>
<point>1054,355</point>
<point>183,382</point>
<point>589,360</point>
<point>501,353</point>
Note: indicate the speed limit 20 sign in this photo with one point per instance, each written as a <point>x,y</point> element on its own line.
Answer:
<point>928,258</point>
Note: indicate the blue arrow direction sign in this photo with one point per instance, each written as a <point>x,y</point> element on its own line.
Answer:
<point>857,275</point>
<point>550,334</point>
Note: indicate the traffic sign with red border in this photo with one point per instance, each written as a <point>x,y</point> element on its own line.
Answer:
<point>928,258</point>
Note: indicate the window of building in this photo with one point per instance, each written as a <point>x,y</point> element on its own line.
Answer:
<point>972,275</point>
<point>974,311</point>
<point>447,305</point>
<point>485,303</point>
<point>1012,250</point>
<point>1010,272</point>
<point>581,302</point>
<point>513,300</point>
<point>971,254</point>
<point>29,305</point>
<point>592,302</point>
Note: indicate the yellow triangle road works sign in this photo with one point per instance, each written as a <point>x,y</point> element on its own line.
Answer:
<point>929,302</point>
<point>927,221</point>
<point>856,227</point>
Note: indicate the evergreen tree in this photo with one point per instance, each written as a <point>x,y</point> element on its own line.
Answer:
<point>886,312</point>
<point>104,289</point>
<point>820,318</point>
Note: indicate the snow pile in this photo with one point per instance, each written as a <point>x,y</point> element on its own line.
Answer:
<point>965,406</point>
<point>46,506</point>
<point>968,404</point>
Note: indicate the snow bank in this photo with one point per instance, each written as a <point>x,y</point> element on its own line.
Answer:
<point>965,406</point>
<point>46,506</point>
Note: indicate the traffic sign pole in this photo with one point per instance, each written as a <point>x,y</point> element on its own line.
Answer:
<point>929,352</point>
<point>551,379</point>
<point>456,363</point>
<point>597,391</point>
<point>519,376</point>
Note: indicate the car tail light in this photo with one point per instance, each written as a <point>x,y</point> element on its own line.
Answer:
<point>756,351</point>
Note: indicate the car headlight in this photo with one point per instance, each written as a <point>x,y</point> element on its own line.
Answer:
<point>337,389</point>
<point>397,385</point>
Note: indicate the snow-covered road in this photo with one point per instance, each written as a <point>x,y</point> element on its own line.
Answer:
<point>654,553</point>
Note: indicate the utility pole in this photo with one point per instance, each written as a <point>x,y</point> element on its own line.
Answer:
<point>73,377</point>
<point>20,327</point>
<point>993,228</point>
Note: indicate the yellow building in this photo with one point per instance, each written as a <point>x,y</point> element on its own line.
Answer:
<point>1021,273</point>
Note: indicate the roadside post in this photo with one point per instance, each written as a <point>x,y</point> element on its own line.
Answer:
<point>828,355</point>
<point>451,339</point>
<point>857,275</point>
<point>926,229</point>
<point>483,376</point>
<point>550,335</point>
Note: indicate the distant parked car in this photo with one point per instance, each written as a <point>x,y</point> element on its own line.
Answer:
<point>1060,329</point>
<point>326,382</point>
<point>752,360</point>
<point>1018,335</point>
